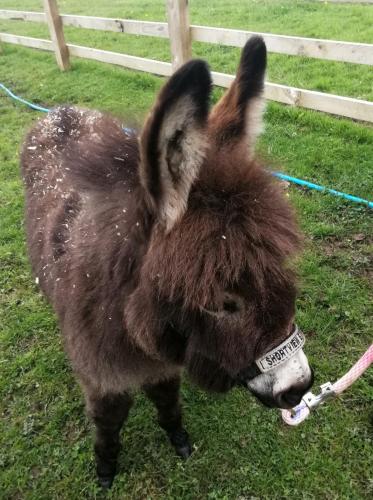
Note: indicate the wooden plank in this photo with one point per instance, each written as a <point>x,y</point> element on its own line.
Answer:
<point>179,32</point>
<point>319,101</point>
<point>332,50</point>
<point>349,107</point>
<point>26,41</point>
<point>146,28</point>
<point>349,1</point>
<point>132,62</point>
<point>358,53</point>
<point>337,105</point>
<point>22,15</point>
<point>56,33</point>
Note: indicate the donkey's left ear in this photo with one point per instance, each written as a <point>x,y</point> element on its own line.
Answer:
<point>237,117</point>
<point>173,142</point>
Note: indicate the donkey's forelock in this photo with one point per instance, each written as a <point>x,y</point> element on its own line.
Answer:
<point>224,238</point>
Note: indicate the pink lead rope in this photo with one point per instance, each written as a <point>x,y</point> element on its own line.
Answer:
<point>328,390</point>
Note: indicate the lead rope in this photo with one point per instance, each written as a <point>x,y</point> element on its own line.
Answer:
<point>328,390</point>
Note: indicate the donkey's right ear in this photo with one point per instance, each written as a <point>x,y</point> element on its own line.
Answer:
<point>173,142</point>
<point>237,117</point>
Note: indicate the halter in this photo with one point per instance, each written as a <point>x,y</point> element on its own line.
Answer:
<point>276,357</point>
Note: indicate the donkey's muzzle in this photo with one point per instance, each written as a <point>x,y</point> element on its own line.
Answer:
<point>293,396</point>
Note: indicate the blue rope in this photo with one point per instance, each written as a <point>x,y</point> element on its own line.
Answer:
<point>281,176</point>
<point>23,101</point>
<point>311,185</point>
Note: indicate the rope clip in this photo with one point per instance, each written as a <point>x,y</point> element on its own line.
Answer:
<point>313,401</point>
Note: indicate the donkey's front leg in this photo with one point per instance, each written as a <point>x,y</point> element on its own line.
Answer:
<point>165,396</point>
<point>108,414</point>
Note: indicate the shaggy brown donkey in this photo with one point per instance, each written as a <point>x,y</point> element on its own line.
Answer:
<point>165,250</point>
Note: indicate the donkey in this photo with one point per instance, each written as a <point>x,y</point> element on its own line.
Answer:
<point>166,249</point>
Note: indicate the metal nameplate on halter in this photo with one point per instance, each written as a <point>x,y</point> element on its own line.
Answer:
<point>282,353</point>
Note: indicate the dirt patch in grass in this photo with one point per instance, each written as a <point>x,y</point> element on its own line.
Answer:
<point>353,254</point>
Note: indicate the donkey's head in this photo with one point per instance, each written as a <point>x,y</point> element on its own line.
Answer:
<point>216,291</point>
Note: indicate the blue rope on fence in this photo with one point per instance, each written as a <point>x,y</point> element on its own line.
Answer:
<point>294,180</point>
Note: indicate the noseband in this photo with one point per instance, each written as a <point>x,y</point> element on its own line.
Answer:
<point>276,357</point>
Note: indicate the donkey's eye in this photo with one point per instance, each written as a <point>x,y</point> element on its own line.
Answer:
<point>230,306</point>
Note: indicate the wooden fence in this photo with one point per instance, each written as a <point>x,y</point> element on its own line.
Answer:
<point>349,1</point>
<point>181,35</point>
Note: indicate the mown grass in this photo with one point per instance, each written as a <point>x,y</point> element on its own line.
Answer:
<point>241,449</point>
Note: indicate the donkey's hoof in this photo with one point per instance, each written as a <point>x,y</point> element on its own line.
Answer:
<point>180,441</point>
<point>184,451</point>
<point>106,482</point>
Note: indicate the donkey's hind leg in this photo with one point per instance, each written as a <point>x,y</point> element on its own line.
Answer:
<point>165,396</point>
<point>108,414</point>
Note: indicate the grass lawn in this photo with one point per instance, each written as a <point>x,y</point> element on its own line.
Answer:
<point>241,449</point>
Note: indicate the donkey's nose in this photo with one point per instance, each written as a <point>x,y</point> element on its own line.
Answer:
<point>293,396</point>
<point>289,399</point>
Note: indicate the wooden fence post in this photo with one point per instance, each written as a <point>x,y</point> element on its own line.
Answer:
<point>179,32</point>
<point>56,32</point>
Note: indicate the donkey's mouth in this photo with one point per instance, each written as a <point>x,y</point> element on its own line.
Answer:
<point>278,402</point>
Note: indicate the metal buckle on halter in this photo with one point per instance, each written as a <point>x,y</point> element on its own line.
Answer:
<point>313,401</point>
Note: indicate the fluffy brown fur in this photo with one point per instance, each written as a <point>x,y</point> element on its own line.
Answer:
<point>163,251</point>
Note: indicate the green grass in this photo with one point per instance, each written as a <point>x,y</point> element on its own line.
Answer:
<point>242,450</point>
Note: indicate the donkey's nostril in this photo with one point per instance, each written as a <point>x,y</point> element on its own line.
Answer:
<point>293,396</point>
<point>290,398</point>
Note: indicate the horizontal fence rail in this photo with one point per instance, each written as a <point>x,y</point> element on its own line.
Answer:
<point>331,50</point>
<point>343,106</point>
<point>26,41</point>
<point>322,49</point>
<point>358,53</point>
<point>349,1</point>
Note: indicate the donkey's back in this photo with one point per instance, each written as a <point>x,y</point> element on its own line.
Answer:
<point>75,164</point>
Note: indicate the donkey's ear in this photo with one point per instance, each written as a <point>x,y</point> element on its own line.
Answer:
<point>173,141</point>
<point>238,115</point>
